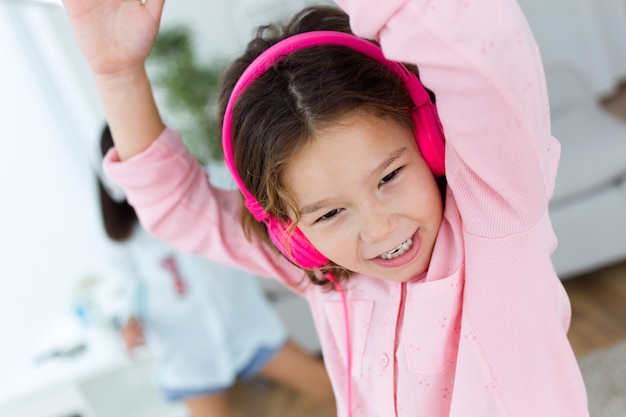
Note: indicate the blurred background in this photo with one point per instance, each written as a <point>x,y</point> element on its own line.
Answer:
<point>51,234</point>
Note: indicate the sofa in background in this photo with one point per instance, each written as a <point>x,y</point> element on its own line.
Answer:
<point>584,54</point>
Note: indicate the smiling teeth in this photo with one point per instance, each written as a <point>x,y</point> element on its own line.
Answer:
<point>399,250</point>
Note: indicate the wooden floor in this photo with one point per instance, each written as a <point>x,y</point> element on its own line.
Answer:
<point>598,320</point>
<point>259,398</point>
<point>616,103</point>
<point>598,309</point>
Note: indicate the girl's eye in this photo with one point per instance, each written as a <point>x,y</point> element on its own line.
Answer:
<point>328,215</point>
<point>389,176</point>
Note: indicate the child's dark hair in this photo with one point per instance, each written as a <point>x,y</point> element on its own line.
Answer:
<point>119,218</point>
<point>306,91</point>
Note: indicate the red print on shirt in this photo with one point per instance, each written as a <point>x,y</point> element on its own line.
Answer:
<point>169,264</point>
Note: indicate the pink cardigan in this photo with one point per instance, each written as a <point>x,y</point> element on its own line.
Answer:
<point>484,334</point>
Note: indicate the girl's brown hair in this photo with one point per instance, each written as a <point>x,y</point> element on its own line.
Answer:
<point>304,92</point>
<point>119,218</point>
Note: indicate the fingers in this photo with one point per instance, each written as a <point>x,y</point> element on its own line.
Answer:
<point>132,332</point>
<point>155,7</point>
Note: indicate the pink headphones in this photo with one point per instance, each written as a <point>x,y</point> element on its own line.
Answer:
<point>428,131</point>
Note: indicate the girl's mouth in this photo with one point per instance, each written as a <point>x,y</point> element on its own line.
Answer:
<point>401,255</point>
<point>398,250</point>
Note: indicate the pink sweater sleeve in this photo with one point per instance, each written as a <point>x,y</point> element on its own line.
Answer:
<point>175,201</point>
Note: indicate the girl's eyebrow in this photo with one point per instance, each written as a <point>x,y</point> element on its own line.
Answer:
<point>311,208</point>
<point>385,164</point>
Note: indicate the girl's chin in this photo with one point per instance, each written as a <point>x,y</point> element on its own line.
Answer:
<point>414,271</point>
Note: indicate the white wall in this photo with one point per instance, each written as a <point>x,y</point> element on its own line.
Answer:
<point>48,218</point>
<point>585,34</point>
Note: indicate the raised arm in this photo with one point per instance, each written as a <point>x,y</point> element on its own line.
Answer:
<point>483,64</point>
<point>116,37</point>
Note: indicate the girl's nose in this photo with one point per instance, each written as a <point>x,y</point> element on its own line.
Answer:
<point>376,224</point>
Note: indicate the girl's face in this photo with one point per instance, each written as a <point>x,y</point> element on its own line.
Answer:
<point>367,199</point>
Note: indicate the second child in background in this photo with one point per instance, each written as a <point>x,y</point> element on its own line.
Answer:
<point>207,324</point>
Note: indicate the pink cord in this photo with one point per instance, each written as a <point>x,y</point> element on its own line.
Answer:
<point>346,319</point>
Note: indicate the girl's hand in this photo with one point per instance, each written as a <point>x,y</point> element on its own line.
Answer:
<point>132,333</point>
<point>115,36</point>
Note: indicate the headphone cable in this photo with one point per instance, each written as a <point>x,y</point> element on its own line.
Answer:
<point>346,319</point>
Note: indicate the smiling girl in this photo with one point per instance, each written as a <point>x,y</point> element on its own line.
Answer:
<point>430,299</point>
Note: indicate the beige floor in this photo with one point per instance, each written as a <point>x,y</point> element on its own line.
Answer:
<point>598,320</point>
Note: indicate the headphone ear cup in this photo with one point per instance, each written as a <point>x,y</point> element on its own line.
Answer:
<point>294,245</point>
<point>429,137</point>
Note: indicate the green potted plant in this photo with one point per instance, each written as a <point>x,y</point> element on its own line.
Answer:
<point>188,91</point>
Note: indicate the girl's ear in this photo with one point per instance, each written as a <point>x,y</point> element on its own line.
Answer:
<point>429,137</point>
<point>294,246</point>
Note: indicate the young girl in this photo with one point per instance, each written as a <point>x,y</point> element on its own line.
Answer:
<point>207,324</point>
<point>427,304</point>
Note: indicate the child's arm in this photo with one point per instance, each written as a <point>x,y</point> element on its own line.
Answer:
<point>116,37</point>
<point>162,181</point>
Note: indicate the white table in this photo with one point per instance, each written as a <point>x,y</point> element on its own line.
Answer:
<point>99,382</point>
